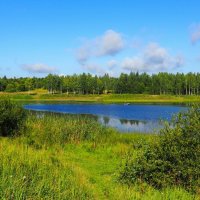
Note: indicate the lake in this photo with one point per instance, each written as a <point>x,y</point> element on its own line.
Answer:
<point>126,118</point>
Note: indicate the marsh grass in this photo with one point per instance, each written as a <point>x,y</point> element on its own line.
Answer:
<point>44,130</point>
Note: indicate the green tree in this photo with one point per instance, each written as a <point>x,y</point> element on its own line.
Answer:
<point>11,87</point>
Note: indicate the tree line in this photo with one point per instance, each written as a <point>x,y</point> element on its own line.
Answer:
<point>133,83</point>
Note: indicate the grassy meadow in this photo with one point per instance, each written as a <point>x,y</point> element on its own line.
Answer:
<point>43,96</point>
<point>68,157</point>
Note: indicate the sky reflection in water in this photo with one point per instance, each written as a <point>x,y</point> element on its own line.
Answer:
<point>126,118</point>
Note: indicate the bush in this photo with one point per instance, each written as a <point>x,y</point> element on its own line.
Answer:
<point>174,159</point>
<point>11,118</point>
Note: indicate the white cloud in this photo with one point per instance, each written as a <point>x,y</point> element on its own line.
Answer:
<point>93,68</point>
<point>111,64</point>
<point>133,64</point>
<point>83,54</point>
<point>195,33</point>
<point>154,58</point>
<point>154,54</point>
<point>110,43</point>
<point>38,68</point>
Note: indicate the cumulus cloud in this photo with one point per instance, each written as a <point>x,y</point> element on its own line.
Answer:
<point>38,68</point>
<point>154,58</point>
<point>195,33</point>
<point>110,43</point>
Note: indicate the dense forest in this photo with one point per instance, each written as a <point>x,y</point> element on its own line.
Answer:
<point>134,83</point>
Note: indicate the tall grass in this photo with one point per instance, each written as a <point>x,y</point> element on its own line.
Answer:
<point>29,174</point>
<point>75,172</point>
<point>71,157</point>
<point>50,129</point>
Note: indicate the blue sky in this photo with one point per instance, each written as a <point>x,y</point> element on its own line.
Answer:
<point>38,37</point>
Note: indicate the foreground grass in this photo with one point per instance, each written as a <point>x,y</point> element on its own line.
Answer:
<point>60,157</point>
<point>41,95</point>
<point>75,172</point>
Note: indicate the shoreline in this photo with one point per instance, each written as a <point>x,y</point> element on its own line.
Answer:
<point>103,98</point>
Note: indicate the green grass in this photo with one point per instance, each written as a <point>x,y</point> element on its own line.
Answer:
<point>75,172</point>
<point>63,157</point>
<point>104,98</point>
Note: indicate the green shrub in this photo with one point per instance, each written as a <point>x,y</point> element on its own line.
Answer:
<point>174,159</point>
<point>11,117</point>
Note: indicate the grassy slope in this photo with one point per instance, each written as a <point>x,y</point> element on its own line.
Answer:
<point>41,95</point>
<point>60,157</point>
<point>75,172</point>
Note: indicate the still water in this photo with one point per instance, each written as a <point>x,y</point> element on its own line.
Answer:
<point>126,118</point>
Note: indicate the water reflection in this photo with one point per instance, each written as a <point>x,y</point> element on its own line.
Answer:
<point>125,118</point>
<point>125,125</point>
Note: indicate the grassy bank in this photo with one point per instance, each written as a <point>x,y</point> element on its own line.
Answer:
<point>68,157</point>
<point>42,96</point>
